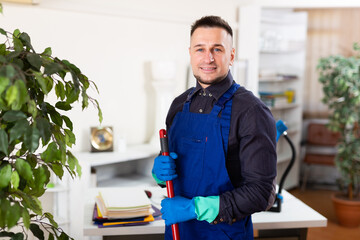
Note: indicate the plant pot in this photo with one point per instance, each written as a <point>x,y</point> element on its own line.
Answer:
<point>347,211</point>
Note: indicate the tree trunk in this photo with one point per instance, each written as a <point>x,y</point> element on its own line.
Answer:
<point>350,192</point>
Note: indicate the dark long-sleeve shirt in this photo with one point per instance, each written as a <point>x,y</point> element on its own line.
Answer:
<point>251,155</point>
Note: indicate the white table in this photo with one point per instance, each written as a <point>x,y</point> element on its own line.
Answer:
<point>293,220</point>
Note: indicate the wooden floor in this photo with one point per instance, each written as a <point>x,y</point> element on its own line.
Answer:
<point>320,200</point>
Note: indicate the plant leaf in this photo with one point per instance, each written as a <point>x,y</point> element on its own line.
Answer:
<point>51,154</point>
<point>31,139</point>
<point>23,93</point>
<point>18,129</point>
<point>32,160</point>
<point>25,39</point>
<point>4,82</point>
<point>2,31</point>
<point>71,160</point>
<point>42,177</point>
<point>4,211</point>
<point>18,45</point>
<point>8,71</point>
<point>70,137</point>
<point>78,168</point>
<point>35,229</point>
<point>56,118</point>
<point>24,169</point>
<point>57,169</point>
<point>31,202</point>
<point>12,116</point>
<point>52,68</point>
<point>16,33</point>
<point>51,219</point>
<point>3,52</point>
<point>99,111</point>
<point>60,90</point>
<point>26,218</point>
<point>5,176</point>
<point>85,100</point>
<point>32,108</point>
<point>15,215</point>
<point>12,94</point>
<point>35,60</point>
<point>72,94</point>
<point>18,236</point>
<point>44,129</point>
<point>51,236</point>
<point>15,179</point>
<point>6,234</point>
<point>47,51</point>
<point>63,236</point>
<point>42,82</point>
<point>4,144</point>
<point>67,122</point>
<point>63,106</point>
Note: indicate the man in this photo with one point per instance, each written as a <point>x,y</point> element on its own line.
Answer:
<point>222,143</point>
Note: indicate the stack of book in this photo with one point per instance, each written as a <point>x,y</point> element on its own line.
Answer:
<point>277,99</point>
<point>122,207</point>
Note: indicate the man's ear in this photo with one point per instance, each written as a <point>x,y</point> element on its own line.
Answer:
<point>232,56</point>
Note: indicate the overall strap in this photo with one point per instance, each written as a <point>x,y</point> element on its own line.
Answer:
<point>225,105</point>
<point>220,104</point>
<point>186,107</point>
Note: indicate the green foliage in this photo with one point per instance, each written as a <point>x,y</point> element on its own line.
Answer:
<point>28,123</point>
<point>340,78</point>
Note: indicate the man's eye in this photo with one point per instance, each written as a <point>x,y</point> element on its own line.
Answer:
<point>217,50</point>
<point>199,50</point>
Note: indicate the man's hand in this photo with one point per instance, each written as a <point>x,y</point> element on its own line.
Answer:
<point>180,209</point>
<point>164,167</point>
<point>177,209</point>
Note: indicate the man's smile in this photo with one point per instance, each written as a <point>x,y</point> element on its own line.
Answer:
<point>208,69</point>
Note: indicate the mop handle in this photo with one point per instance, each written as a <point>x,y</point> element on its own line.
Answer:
<point>169,184</point>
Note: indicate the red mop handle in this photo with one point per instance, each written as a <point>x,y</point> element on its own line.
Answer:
<point>169,184</point>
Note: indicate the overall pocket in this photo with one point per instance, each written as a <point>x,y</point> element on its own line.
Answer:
<point>190,165</point>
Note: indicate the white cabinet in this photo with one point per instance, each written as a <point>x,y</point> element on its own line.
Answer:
<point>56,200</point>
<point>131,167</point>
<point>282,55</point>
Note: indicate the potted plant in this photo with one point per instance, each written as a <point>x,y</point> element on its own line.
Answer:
<point>35,135</point>
<point>340,77</point>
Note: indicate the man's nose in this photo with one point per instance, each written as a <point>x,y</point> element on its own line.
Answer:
<point>209,57</point>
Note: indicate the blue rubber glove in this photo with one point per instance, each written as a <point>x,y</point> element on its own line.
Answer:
<point>179,209</point>
<point>164,168</point>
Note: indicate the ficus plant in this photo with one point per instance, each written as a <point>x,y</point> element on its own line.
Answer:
<point>35,135</point>
<point>340,77</point>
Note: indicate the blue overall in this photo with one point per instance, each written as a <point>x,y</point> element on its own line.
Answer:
<point>201,140</point>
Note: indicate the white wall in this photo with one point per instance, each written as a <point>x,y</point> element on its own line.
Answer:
<point>113,43</point>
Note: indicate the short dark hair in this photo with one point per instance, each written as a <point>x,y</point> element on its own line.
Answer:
<point>211,21</point>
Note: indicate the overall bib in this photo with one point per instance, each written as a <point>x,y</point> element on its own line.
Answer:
<point>201,141</point>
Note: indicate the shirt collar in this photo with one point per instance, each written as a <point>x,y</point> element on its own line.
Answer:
<point>218,89</point>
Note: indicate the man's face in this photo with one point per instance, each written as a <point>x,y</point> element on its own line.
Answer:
<point>211,54</point>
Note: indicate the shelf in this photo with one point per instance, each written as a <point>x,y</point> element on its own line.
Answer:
<point>57,188</point>
<point>276,79</point>
<point>134,152</point>
<point>130,180</point>
<point>284,107</point>
<point>285,51</point>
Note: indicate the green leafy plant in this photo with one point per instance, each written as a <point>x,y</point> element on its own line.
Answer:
<point>340,77</point>
<point>35,136</point>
